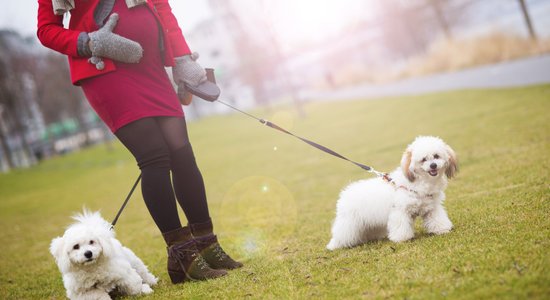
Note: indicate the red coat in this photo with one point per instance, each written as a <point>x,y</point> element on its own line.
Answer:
<point>52,34</point>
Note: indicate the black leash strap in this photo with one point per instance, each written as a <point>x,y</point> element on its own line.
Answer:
<point>125,201</point>
<point>320,147</point>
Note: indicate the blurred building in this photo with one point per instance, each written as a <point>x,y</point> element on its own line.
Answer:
<point>215,40</point>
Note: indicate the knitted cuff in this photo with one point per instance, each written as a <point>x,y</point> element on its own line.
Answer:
<point>177,236</point>
<point>83,47</point>
<point>202,229</point>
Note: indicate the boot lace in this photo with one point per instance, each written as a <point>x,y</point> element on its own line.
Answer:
<point>219,253</point>
<point>201,262</point>
<point>186,251</point>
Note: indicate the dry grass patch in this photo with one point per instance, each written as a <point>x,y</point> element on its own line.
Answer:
<point>454,55</point>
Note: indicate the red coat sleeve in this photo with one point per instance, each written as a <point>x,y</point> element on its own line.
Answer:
<point>51,32</point>
<point>172,31</point>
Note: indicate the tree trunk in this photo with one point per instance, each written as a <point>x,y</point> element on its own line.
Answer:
<point>6,152</point>
<point>527,19</point>
<point>20,131</point>
<point>441,18</point>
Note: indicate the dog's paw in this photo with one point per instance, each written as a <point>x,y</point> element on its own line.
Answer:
<point>146,289</point>
<point>442,230</point>
<point>150,279</point>
<point>439,227</point>
<point>332,245</point>
<point>399,237</point>
<point>399,240</point>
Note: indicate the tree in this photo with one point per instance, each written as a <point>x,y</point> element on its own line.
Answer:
<point>440,17</point>
<point>408,27</point>
<point>527,19</point>
<point>13,66</point>
<point>34,84</point>
<point>57,97</point>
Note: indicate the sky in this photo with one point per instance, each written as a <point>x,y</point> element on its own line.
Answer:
<point>20,15</point>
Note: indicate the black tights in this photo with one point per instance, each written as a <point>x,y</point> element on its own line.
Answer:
<point>161,145</point>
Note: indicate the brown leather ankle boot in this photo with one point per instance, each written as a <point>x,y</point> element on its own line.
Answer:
<point>212,252</point>
<point>184,260</point>
<point>210,249</point>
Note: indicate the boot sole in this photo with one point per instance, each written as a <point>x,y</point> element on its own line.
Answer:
<point>228,268</point>
<point>178,277</point>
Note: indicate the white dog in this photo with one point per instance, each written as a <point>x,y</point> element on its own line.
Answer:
<point>375,208</point>
<point>94,263</point>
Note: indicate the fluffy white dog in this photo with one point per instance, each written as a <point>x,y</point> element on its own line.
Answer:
<point>375,208</point>
<point>94,263</point>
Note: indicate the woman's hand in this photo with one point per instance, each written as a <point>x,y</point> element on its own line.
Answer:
<point>187,71</point>
<point>105,43</point>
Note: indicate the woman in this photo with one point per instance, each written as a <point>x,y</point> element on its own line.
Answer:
<point>117,51</point>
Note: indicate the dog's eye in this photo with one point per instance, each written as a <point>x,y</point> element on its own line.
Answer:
<point>423,160</point>
<point>436,156</point>
<point>76,247</point>
<point>91,242</point>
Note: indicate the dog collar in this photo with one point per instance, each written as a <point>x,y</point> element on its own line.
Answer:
<point>386,177</point>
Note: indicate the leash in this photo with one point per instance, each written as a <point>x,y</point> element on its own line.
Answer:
<point>125,202</point>
<point>384,176</point>
<point>316,145</point>
<point>209,91</point>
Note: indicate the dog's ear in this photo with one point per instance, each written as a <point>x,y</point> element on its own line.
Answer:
<point>452,168</point>
<point>106,242</point>
<point>61,258</point>
<point>56,246</point>
<point>405,165</point>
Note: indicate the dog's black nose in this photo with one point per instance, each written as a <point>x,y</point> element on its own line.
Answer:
<point>433,165</point>
<point>88,254</point>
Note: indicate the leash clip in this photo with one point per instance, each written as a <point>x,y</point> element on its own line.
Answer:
<point>383,175</point>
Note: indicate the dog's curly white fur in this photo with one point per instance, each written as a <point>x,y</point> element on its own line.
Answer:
<point>94,263</point>
<point>375,209</point>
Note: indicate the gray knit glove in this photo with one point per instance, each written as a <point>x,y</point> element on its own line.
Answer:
<point>187,71</point>
<point>105,43</point>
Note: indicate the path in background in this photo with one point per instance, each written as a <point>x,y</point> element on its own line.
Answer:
<point>529,71</point>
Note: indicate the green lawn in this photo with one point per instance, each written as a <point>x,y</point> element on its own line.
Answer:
<point>273,197</point>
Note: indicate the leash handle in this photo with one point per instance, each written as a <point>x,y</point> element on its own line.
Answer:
<point>125,201</point>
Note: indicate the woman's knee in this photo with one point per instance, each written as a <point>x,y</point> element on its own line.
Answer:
<point>183,157</point>
<point>143,138</point>
<point>156,157</point>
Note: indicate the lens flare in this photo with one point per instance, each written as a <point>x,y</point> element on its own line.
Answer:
<point>258,213</point>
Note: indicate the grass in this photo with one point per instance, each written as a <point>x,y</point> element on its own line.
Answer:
<point>272,199</point>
